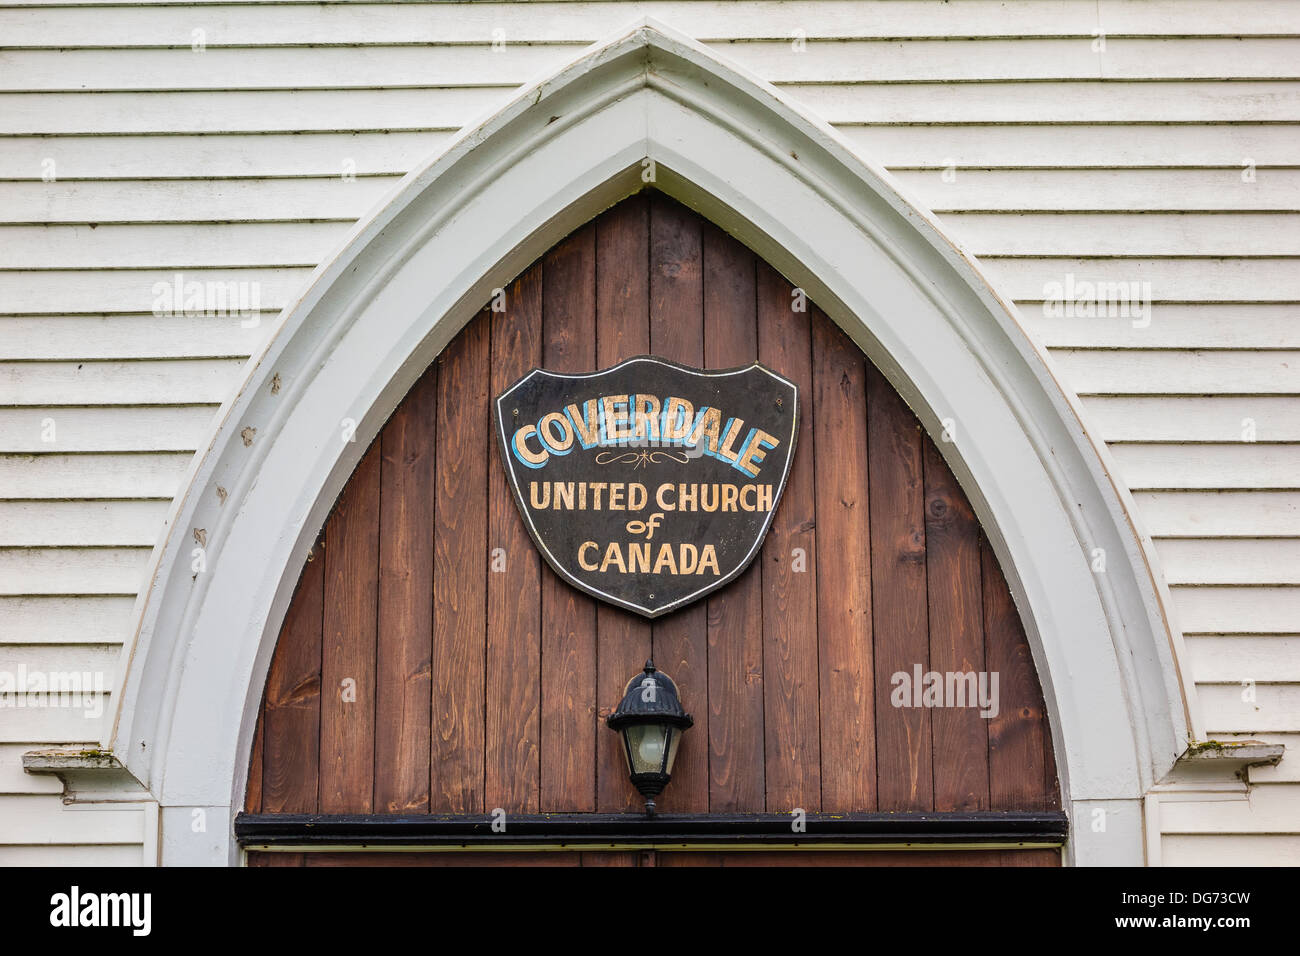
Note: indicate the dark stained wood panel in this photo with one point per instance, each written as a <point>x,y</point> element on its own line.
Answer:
<point>405,639</point>
<point>677,333</point>
<point>846,678</point>
<point>512,771</point>
<point>569,721</point>
<point>482,681</point>
<point>953,576</point>
<point>351,606</point>
<point>291,711</point>
<point>735,614</point>
<point>622,331</point>
<point>459,576</point>
<point>792,730</point>
<point>900,617</point>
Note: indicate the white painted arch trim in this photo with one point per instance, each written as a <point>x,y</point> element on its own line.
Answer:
<point>413,273</point>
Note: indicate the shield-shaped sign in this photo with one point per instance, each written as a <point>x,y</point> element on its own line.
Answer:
<point>649,484</point>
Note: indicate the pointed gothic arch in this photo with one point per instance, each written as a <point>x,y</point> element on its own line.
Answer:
<point>650,102</point>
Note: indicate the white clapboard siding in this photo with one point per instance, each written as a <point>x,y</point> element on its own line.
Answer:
<point>241,23</point>
<point>1229,850</point>
<point>1235,610</point>
<point>140,429</point>
<point>193,200</point>
<point>1179,372</point>
<point>1172,279</point>
<point>61,619</point>
<point>1230,560</point>
<point>1058,144</point>
<point>1243,465</point>
<point>1270,809</point>
<point>239,112</point>
<point>1128,235</point>
<point>98,659</point>
<point>821,62</point>
<point>169,245</point>
<point>1205,514</point>
<point>14,779</point>
<point>34,571</point>
<point>68,855</point>
<point>143,382</point>
<point>89,475</point>
<point>1122,191</point>
<point>1230,659</point>
<point>1246,709</point>
<point>42,719</point>
<point>27,815</point>
<point>1221,325</point>
<point>1047,102</point>
<point>99,523</point>
<point>1193,418</point>
<point>96,291</point>
<point>131,336</point>
<point>199,157</point>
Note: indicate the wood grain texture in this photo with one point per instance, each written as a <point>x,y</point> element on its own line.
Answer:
<point>1022,773</point>
<point>622,331</point>
<point>952,575</point>
<point>680,640</point>
<point>405,639</point>
<point>292,705</point>
<point>735,614</point>
<point>900,618</point>
<point>875,563</point>
<point>512,740</point>
<point>569,721</point>
<point>459,582</point>
<point>253,786</point>
<point>790,666</point>
<point>351,600</point>
<point>846,679</point>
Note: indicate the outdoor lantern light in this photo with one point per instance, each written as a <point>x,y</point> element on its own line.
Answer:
<point>651,720</point>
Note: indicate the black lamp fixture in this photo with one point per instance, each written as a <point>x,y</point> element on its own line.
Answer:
<point>652,721</point>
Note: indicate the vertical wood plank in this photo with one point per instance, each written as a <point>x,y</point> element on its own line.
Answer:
<point>569,721</point>
<point>681,639</point>
<point>292,732</point>
<point>899,615</point>
<point>1021,772</point>
<point>952,566</point>
<point>405,638</point>
<point>622,330</point>
<point>735,614</point>
<point>348,666</point>
<point>253,786</point>
<point>790,667</point>
<point>256,858</point>
<point>839,399</point>
<point>459,574</point>
<point>513,689</point>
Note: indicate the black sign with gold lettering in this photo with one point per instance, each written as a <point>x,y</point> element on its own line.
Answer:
<point>648,484</point>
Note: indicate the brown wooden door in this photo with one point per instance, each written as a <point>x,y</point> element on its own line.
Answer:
<point>411,678</point>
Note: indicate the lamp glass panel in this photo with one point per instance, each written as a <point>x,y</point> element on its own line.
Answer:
<point>647,744</point>
<point>674,740</point>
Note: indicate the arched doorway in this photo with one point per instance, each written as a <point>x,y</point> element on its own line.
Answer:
<point>649,105</point>
<point>431,663</point>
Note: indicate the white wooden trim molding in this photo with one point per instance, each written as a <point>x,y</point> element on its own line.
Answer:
<point>415,271</point>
